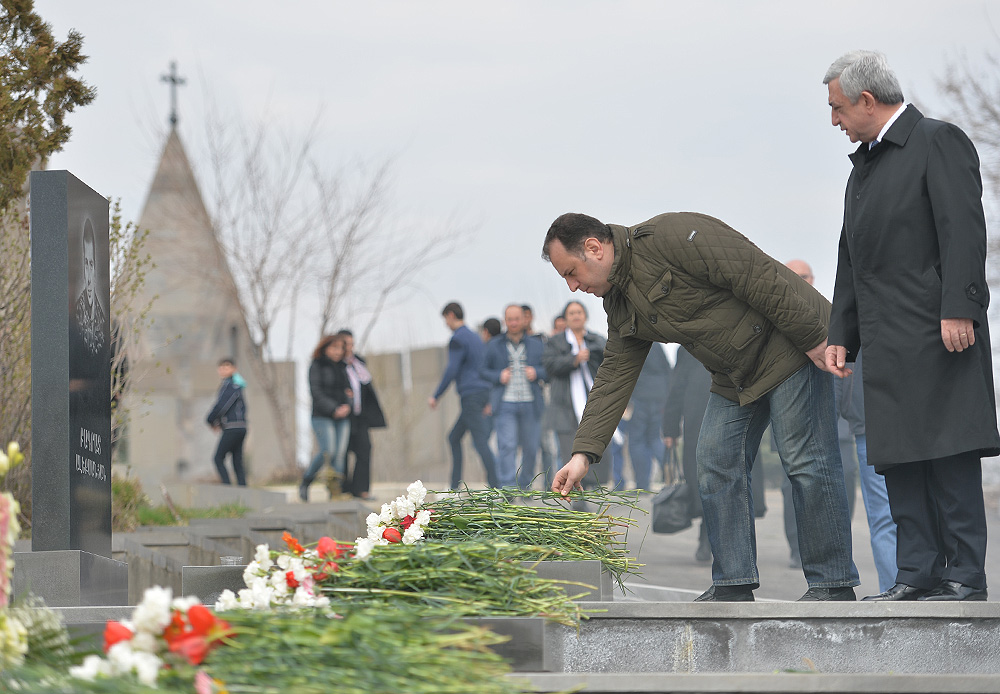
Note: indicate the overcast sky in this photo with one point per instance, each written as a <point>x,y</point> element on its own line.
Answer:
<point>511,113</point>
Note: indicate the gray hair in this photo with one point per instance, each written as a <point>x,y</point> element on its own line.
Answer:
<point>865,71</point>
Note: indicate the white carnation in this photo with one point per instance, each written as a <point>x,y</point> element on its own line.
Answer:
<point>416,492</point>
<point>423,517</point>
<point>227,601</point>
<point>363,547</point>
<point>372,520</point>
<point>147,667</point>
<point>185,603</point>
<point>152,615</point>
<point>386,516</point>
<point>284,561</point>
<point>263,557</point>
<point>413,534</point>
<point>403,507</point>
<point>146,642</point>
<point>92,666</point>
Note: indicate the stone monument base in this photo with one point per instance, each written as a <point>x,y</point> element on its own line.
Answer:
<point>71,578</point>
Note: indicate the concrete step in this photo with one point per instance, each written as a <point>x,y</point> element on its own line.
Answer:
<point>746,683</point>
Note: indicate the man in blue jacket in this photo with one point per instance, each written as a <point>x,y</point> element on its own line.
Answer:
<point>513,367</point>
<point>465,359</point>
<point>229,415</point>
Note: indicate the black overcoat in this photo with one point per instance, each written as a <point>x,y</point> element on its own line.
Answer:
<point>913,252</point>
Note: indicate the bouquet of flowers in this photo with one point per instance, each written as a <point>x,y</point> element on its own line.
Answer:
<point>163,631</point>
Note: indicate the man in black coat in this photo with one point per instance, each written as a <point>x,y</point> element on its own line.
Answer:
<point>911,291</point>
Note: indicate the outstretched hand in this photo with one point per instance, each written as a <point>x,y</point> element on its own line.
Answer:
<point>569,476</point>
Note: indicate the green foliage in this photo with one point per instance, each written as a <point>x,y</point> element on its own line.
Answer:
<point>547,522</point>
<point>37,90</point>
<point>130,508</point>
<point>163,515</point>
<point>471,578</point>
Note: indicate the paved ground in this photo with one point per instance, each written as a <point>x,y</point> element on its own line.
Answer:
<point>671,571</point>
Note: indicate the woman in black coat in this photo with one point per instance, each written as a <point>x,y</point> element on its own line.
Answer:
<point>331,409</point>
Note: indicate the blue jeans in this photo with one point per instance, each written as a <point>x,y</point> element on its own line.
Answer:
<point>880,524</point>
<point>644,442</point>
<point>801,413</point>
<point>332,435</point>
<point>471,419</point>
<point>517,425</point>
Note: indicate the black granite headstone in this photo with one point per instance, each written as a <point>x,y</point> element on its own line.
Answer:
<point>70,365</point>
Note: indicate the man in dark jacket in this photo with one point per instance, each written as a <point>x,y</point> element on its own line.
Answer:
<point>465,359</point>
<point>229,416</point>
<point>761,330</point>
<point>911,291</point>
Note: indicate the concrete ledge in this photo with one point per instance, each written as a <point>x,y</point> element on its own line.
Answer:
<point>764,637</point>
<point>211,495</point>
<point>525,651</point>
<point>776,683</point>
<point>71,577</point>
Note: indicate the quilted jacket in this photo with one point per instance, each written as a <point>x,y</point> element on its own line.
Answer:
<point>689,278</point>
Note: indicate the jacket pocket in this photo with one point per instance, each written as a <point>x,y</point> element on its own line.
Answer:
<point>628,327</point>
<point>750,328</point>
<point>674,298</point>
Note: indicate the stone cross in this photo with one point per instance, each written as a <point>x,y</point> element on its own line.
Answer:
<point>175,81</point>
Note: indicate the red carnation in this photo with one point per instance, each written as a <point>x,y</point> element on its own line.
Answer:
<point>290,579</point>
<point>114,632</point>
<point>392,535</point>
<point>407,522</point>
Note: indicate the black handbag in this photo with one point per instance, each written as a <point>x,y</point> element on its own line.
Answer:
<point>671,505</point>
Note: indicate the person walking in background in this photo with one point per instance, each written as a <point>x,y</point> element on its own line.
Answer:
<point>571,361</point>
<point>911,294</point>
<point>648,400</point>
<point>549,445</point>
<point>513,368</point>
<point>489,329</point>
<point>332,396</point>
<point>229,416</point>
<point>366,414</point>
<point>465,361</point>
<point>761,330</point>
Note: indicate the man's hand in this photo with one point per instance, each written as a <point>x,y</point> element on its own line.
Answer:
<point>835,360</point>
<point>432,403</point>
<point>957,334</point>
<point>569,475</point>
<point>505,377</point>
<point>582,356</point>
<point>530,373</point>
<point>342,411</point>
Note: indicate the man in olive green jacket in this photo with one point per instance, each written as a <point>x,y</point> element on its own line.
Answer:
<point>761,331</point>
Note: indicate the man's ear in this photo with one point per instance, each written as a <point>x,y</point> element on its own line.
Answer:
<point>594,247</point>
<point>869,101</point>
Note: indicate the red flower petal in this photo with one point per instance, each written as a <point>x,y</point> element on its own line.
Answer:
<point>290,579</point>
<point>292,543</point>
<point>194,648</point>
<point>392,535</point>
<point>201,618</point>
<point>407,522</point>
<point>115,632</point>
<point>326,547</point>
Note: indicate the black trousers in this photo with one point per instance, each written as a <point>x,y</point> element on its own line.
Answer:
<point>358,482</point>
<point>940,521</point>
<point>231,442</point>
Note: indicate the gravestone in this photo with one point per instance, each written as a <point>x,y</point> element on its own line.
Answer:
<point>70,562</point>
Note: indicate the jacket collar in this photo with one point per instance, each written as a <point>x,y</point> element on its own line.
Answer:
<point>898,133</point>
<point>621,268</point>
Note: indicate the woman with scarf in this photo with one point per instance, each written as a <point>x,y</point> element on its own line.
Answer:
<point>571,360</point>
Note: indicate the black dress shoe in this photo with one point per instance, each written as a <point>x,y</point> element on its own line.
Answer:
<point>727,594</point>
<point>843,594</point>
<point>953,590</point>
<point>900,591</point>
<point>304,492</point>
